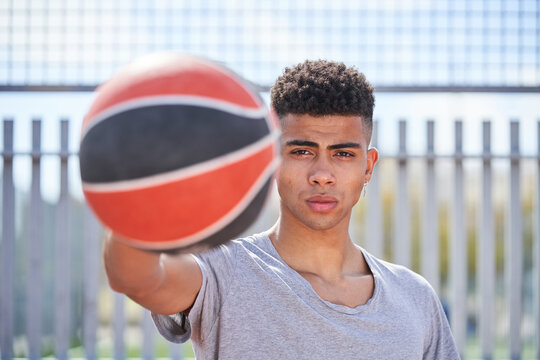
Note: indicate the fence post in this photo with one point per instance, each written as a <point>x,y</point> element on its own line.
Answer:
<point>148,336</point>
<point>486,253</point>
<point>175,351</point>
<point>119,325</point>
<point>91,261</point>
<point>402,237</point>
<point>8,246</point>
<point>536,285</point>
<point>62,254</point>
<point>514,247</point>
<point>33,305</point>
<point>430,229</point>
<point>373,227</point>
<point>458,253</point>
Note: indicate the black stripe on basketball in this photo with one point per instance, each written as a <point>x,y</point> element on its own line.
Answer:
<point>234,228</point>
<point>151,140</point>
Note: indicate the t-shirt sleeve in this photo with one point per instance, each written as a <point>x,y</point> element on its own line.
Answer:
<point>217,267</point>
<point>440,342</point>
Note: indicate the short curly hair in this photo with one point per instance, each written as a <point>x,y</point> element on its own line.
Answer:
<point>321,87</point>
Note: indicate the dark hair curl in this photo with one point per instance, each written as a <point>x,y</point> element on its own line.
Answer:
<point>323,87</point>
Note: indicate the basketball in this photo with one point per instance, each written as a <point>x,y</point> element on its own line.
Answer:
<point>177,153</point>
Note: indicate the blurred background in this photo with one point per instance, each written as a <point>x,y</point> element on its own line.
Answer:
<point>455,198</point>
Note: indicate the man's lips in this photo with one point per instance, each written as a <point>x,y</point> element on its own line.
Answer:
<point>322,203</point>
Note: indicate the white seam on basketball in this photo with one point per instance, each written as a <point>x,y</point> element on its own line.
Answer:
<point>146,101</point>
<point>190,171</point>
<point>220,223</point>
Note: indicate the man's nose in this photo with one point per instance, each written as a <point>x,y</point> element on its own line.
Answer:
<point>322,174</point>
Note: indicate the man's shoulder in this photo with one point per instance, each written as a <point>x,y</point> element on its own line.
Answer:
<point>233,247</point>
<point>252,242</point>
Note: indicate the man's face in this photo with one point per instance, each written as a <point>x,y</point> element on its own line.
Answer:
<point>325,163</point>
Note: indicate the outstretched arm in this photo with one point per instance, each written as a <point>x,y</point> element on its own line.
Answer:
<point>162,283</point>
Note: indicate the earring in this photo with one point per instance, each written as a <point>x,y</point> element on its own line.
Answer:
<point>364,189</point>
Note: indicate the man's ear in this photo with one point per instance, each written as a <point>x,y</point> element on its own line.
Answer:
<point>371,160</point>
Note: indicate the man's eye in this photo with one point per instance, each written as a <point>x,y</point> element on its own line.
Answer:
<point>344,154</point>
<point>300,152</point>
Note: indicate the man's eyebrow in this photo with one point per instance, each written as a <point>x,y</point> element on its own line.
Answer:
<point>302,143</point>
<point>344,146</point>
<point>315,145</point>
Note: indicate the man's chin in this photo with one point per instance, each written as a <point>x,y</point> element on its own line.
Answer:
<point>321,225</point>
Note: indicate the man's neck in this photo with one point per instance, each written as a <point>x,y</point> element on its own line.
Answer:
<point>325,253</point>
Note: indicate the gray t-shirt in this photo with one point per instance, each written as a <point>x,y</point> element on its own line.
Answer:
<point>252,305</point>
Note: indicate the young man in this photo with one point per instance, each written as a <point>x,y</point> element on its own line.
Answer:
<point>302,289</point>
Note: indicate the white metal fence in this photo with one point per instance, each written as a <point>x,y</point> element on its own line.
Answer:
<point>473,301</point>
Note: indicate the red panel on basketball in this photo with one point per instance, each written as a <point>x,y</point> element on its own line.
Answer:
<point>156,75</point>
<point>177,152</point>
<point>202,204</point>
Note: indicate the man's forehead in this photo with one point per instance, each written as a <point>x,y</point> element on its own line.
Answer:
<point>342,131</point>
<point>327,130</point>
